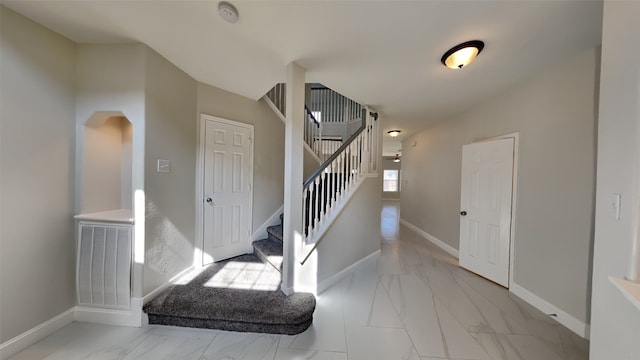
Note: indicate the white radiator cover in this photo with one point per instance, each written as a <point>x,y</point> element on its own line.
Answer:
<point>103,272</point>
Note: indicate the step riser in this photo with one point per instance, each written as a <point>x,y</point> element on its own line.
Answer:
<point>284,329</point>
<point>275,233</point>
<point>274,238</point>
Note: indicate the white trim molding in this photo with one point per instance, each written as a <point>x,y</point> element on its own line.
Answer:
<point>163,287</point>
<point>31,336</point>
<point>514,199</point>
<point>561,316</point>
<point>131,318</point>
<point>335,278</point>
<point>437,242</point>
<point>261,232</point>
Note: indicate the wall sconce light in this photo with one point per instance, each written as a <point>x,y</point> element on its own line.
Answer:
<point>396,159</point>
<point>462,55</point>
<point>394,133</point>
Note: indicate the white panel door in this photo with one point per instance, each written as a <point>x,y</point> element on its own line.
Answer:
<point>485,209</point>
<point>228,194</point>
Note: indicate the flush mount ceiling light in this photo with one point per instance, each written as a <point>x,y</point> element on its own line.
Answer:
<point>396,159</point>
<point>462,55</point>
<point>228,12</point>
<point>394,133</point>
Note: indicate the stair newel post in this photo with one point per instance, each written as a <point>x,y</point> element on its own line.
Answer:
<point>294,278</point>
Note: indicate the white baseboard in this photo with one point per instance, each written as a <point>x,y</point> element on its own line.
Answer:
<point>261,232</point>
<point>131,318</point>
<point>437,242</point>
<point>163,287</point>
<point>335,278</point>
<point>30,337</point>
<point>569,321</point>
<point>287,290</point>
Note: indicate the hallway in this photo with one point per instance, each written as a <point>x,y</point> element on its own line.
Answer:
<point>413,302</point>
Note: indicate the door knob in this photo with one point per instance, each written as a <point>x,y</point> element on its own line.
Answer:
<point>463,213</point>
<point>209,200</point>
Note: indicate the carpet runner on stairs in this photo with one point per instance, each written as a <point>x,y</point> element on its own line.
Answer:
<point>238,294</point>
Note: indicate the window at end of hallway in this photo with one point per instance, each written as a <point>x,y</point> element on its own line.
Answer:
<point>391,181</point>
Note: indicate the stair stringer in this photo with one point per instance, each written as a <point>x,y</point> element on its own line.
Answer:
<point>320,231</point>
<point>320,267</point>
<point>308,150</point>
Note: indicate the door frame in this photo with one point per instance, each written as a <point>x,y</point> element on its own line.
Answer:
<point>514,197</point>
<point>199,193</point>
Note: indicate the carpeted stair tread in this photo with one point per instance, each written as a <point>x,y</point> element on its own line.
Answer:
<point>275,232</point>
<point>200,303</point>
<point>269,251</point>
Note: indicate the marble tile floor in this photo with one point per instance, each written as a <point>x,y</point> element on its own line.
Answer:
<point>412,303</point>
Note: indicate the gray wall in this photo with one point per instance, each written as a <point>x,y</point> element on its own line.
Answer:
<point>555,114</point>
<point>615,322</point>
<point>170,134</point>
<point>37,256</point>
<point>268,165</point>
<point>355,234</point>
<point>388,164</point>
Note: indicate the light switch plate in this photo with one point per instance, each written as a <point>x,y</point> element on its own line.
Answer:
<point>164,166</point>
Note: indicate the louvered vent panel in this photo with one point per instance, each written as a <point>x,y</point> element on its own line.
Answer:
<point>104,266</point>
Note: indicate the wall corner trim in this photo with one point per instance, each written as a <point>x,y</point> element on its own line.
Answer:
<point>39,332</point>
<point>569,321</point>
<point>437,242</point>
<point>261,232</point>
<point>152,294</point>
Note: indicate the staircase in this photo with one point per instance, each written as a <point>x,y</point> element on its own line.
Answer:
<point>269,250</point>
<point>244,293</point>
<point>238,294</point>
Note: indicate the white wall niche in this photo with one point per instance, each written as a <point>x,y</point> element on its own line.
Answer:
<point>107,163</point>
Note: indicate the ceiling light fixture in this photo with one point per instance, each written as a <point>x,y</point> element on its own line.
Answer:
<point>394,133</point>
<point>228,12</point>
<point>396,159</point>
<point>462,55</point>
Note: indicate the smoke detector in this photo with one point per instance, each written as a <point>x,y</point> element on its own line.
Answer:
<point>228,12</point>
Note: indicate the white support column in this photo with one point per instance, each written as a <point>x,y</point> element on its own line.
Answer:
<point>293,234</point>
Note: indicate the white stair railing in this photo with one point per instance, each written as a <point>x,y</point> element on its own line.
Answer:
<point>312,131</point>
<point>325,190</point>
<point>337,111</point>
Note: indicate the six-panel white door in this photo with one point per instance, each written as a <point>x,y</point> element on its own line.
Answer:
<point>485,208</point>
<point>228,193</point>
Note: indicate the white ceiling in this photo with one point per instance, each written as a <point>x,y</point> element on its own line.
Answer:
<point>385,54</point>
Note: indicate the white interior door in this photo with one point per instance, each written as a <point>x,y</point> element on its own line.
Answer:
<point>485,208</point>
<point>228,193</point>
